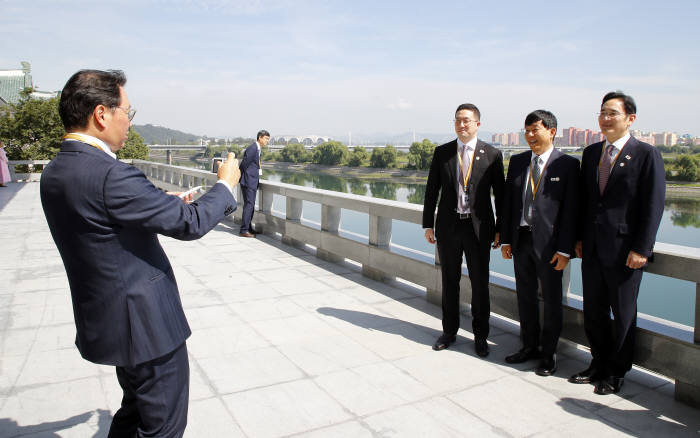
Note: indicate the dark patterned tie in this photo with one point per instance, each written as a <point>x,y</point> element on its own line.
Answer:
<point>605,168</point>
<point>528,194</point>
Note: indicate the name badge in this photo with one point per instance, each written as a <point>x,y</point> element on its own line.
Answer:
<point>260,172</point>
<point>465,199</point>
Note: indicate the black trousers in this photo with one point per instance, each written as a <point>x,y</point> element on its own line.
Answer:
<point>248,207</point>
<point>156,397</point>
<point>529,268</point>
<point>478,254</point>
<point>608,288</point>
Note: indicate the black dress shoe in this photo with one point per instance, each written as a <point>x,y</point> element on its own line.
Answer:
<point>481,347</point>
<point>246,234</point>
<point>444,341</point>
<point>608,386</point>
<point>590,374</point>
<point>547,366</point>
<point>523,355</point>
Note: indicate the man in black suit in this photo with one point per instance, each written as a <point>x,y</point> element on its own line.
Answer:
<point>464,172</point>
<point>104,216</point>
<point>250,176</point>
<point>538,232</point>
<point>622,197</point>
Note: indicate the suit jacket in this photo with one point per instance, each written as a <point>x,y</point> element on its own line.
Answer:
<point>627,216</point>
<point>104,216</point>
<point>487,174</point>
<point>250,166</point>
<point>554,209</point>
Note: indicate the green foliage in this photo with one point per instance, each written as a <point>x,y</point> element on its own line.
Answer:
<point>160,135</point>
<point>688,168</point>
<point>358,157</point>
<point>330,153</point>
<point>31,129</point>
<point>267,156</point>
<point>416,195</point>
<point>358,186</point>
<point>421,154</point>
<point>383,157</point>
<point>236,149</point>
<point>384,190</point>
<point>134,147</point>
<point>295,153</point>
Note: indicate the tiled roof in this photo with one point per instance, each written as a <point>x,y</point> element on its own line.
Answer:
<point>12,82</point>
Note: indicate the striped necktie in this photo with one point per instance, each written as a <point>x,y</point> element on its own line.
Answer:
<point>605,163</point>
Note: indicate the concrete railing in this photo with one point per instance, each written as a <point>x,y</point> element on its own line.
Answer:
<point>661,346</point>
<point>32,165</point>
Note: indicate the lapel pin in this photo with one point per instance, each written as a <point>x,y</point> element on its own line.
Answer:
<point>481,150</point>
<point>628,157</point>
<point>622,164</point>
<point>556,178</point>
<point>478,157</point>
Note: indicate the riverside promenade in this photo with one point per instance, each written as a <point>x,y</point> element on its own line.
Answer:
<point>286,344</point>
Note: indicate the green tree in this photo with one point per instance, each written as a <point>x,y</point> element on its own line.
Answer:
<point>134,147</point>
<point>294,153</point>
<point>384,190</point>
<point>416,194</point>
<point>330,153</point>
<point>31,129</point>
<point>421,154</point>
<point>358,157</point>
<point>689,168</point>
<point>383,157</point>
<point>236,149</point>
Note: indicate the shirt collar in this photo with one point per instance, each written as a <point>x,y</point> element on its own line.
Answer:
<point>89,139</point>
<point>544,155</point>
<point>258,145</point>
<point>619,143</point>
<point>470,144</point>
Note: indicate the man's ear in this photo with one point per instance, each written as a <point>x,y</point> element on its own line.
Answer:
<point>99,115</point>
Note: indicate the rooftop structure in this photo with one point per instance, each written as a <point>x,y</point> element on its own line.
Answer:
<point>13,82</point>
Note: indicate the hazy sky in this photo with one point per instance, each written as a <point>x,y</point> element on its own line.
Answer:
<point>227,67</point>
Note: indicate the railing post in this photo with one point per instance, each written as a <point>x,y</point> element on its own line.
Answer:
<point>380,237</point>
<point>330,223</point>
<point>13,176</point>
<point>684,392</point>
<point>434,295</point>
<point>294,210</point>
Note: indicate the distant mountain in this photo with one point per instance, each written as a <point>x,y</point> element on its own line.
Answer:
<point>160,135</point>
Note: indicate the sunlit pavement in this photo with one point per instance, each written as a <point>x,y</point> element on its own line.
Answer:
<point>286,344</point>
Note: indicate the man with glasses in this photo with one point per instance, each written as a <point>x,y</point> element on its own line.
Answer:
<point>104,216</point>
<point>622,200</point>
<point>538,232</point>
<point>251,171</point>
<point>463,173</point>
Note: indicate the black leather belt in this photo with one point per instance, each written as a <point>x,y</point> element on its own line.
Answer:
<point>525,229</point>
<point>464,215</point>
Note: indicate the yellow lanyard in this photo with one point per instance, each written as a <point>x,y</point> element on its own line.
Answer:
<point>83,139</point>
<point>536,187</point>
<point>612,163</point>
<point>461,167</point>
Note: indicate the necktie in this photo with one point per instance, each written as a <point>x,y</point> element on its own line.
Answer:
<point>605,168</point>
<point>528,194</point>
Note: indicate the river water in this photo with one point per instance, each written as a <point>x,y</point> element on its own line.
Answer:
<point>659,296</point>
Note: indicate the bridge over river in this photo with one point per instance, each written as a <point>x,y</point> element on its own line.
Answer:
<point>289,340</point>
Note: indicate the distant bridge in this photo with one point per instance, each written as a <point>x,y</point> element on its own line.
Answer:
<point>177,147</point>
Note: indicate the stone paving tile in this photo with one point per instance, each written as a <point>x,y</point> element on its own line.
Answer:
<point>323,355</point>
<point>351,429</point>
<point>224,339</point>
<point>284,409</point>
<point>215,420</point>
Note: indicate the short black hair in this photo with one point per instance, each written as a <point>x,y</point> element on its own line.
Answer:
<point>262,133</point>
<point>471,107</point>
<point>84,91</point>
<point>628,101</point>
<point>548,119</point>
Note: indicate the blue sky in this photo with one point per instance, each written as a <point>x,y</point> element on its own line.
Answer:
<point>227,68</point>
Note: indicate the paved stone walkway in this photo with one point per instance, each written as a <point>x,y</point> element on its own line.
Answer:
<point>285,344</point>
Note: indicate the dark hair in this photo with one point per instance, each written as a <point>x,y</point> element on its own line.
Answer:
<point>630,106</point>
<point>471,107</point>
<point>84,91</point>
<point>262,133</point>
<point>547,118</point>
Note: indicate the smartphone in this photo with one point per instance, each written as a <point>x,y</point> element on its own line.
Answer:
<point>190,191</point>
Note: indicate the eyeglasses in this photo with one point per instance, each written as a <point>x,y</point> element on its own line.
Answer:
<point>130,112</point>
<point>610,114</point>
<point>464,121</point>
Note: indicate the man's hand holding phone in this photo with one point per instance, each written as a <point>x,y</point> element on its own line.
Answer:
<point>229,171</point>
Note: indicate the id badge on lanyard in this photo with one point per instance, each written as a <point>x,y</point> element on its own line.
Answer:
<point>465,197</point>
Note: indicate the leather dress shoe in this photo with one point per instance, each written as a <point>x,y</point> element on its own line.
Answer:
<point>608,386</point>
<point>247,234</point>
<point>253,232</point>
<point>547,366</point>
<point>481,347</point>
<point>590,374</point>
<point>444,341</point>
<point>523,355</point>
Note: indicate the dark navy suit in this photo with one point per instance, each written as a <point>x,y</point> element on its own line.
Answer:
<point>471,237</point>
<point>625,218</point>
<point>250,174</point>
<point>553,230</point>
<point>104,216</point>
